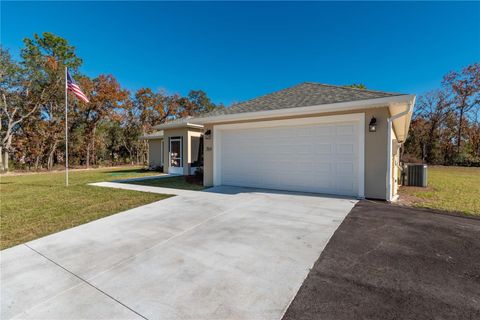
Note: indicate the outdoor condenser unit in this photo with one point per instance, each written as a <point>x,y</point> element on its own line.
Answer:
<point>415,175</point>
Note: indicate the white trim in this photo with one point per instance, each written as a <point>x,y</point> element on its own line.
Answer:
<point>162,152</point>
<point>388,195</point>
<point>407,123</point>
<point>297,111</point>
<point>324,108</point>
<point>217,159</point>
<point>291,122</point>
<point>178,125</point>
<point>152,136</point>
<point>358,117</point>
<point>408,110</point>
<point>361,157</point>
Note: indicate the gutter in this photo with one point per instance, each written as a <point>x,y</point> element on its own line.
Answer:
<point>177,125</point>
<point>297,111</point>
<point>389,144</point>
<point>294,111</point>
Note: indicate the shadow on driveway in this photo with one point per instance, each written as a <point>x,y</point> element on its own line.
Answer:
<point>390,262</point>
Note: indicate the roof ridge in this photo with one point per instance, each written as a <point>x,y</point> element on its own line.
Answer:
<point>351,88</point>
<point>267,94</point>
<point>299,95</point>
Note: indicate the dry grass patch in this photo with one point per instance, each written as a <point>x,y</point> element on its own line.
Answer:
<point>449,188</point>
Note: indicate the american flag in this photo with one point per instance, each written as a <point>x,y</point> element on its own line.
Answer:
<point>72,86</point>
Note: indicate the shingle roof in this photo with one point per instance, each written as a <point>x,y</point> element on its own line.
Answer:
<point>302,95</point>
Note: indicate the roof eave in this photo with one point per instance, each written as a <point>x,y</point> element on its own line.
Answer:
<point>323,108</point>
<point>150,137</point>
<point>164,126</point>
<point>401,125</point>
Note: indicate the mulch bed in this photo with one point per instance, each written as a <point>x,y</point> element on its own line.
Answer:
<point>392,262</point>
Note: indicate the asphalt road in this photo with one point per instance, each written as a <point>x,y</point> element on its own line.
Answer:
<point>390,262</point>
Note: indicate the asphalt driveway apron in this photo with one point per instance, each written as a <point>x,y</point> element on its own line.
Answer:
<point>229,253</point>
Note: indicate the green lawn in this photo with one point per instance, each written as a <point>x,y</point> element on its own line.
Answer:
<point>450,189</point>
<point>34,205</point>
<point>171,182</point>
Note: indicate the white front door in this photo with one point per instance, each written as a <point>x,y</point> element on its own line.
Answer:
<point>175,156</point>
<point>322,155</point>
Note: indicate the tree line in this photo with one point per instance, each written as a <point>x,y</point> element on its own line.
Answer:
<point>104,131</point>
<point>445,128</point>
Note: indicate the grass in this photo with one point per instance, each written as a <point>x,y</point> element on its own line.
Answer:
<point>35,205</point>
<point>171,182</point>
<point>450,189</point>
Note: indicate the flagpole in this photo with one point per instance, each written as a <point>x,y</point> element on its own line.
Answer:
<point>66,127</point>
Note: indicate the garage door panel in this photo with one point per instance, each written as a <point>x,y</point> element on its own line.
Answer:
<point>345,185</point>
<point>310,158</point>
<point>345,169</point>
<point>323,131</point>
<point>304,132</point>
<point>302,148</point>
<point>324,168</point>
<point>323,148</point>
<point>344,129</point>
<point>344,148</point>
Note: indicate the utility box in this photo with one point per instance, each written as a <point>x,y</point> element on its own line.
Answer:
<point>415,175</point>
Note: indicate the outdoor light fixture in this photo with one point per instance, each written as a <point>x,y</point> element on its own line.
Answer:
<point>208,134</point>
<point>372,127</point>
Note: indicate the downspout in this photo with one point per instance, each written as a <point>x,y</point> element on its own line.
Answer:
<point>389,147</point>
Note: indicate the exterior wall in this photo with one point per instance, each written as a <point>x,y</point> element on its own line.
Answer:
<point>186,134</point>
<point>155,153</point>
<point>376,158</point>
<point>208,157</point>
<point>376,154</point>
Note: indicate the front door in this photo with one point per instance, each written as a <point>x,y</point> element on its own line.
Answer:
<point>175,156</point>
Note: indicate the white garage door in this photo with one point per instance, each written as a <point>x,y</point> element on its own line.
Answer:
<point>319,157</point>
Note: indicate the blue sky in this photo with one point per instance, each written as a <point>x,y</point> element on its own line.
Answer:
<point>237,51</point>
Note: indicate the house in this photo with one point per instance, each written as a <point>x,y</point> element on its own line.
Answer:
<point>310,138</point>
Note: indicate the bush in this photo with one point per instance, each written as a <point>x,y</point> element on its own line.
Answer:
<point>199,173</point>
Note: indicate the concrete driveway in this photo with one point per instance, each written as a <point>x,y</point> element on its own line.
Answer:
<point>225,253</point>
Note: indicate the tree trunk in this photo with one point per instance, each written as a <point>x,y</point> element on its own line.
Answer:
<point>50,156</point>
<point>459,135</point>
<point>94,153</point>
<point>4,157</point>
<point>88,155</point>
<point>2,168</point>
<point>50,160</point>
<point>430,142</point>
<point>37,161</point>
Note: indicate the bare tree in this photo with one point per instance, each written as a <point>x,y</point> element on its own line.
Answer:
<point>433,107</point>
<point>464,88</point>
<point>16,104</point>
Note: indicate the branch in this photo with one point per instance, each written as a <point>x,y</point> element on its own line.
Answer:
<point>4,98</point>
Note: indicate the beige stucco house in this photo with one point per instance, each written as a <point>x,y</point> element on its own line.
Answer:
<point>309,138</point>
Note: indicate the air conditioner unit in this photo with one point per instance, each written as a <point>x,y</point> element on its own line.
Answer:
<point>415,175</point>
